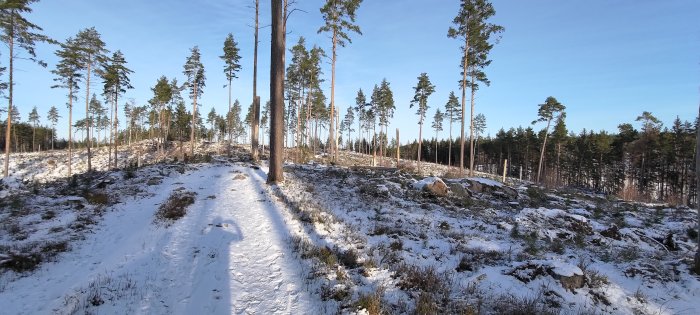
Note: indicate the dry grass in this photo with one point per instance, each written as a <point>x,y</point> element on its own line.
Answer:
<point>175,207</point>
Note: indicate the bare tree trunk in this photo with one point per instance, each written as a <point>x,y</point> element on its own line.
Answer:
<point>436,147</point>
<point>398,148</point>
<point>420,140</point>
<point>111,134</point>
<point>449,147</point>
<point>256,108</point>
<point>471,130</point>
<point>87,117</point>
<point>544,144</point>
<point>70,128</point>
<point>332,131</point>
<point>194,120</point>
<point>8,131</point>
<point>276,174</point>
<point>464,97</point>
<point>697,199</point>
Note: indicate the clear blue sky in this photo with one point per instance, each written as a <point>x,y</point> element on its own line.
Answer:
<point>607,61</point>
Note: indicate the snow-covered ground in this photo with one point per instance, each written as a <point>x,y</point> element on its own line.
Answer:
<point>229,254</point>
<point>331,239</point>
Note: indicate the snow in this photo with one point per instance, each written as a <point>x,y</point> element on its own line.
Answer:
<point>486,181</point>
<point>229,254</point>
<point>419,185</point>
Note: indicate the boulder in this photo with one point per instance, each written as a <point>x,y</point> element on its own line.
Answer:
<point>491,187</point>
<point>459,191</point>
<point>432,185</point>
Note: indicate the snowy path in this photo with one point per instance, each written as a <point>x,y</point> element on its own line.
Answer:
<point>229,254</point>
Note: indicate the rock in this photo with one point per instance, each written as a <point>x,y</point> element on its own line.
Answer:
<point>239,177</point>
<point>436,188</point>
<point>612,232</point>
<point>154,181</point>
<point>459,191</point>
<point>491,187</point>
<point>570,276</point>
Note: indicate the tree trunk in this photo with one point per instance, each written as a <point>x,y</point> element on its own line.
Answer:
<point>194,120</point>
<point>275,174</point>
<point>70,129</point>
<point>332,131</point>
<point>116,129</point>
<point>436,147</point>
<point>697,200</point>
<point>256,109</point>
<point>471,129</point>
<point>87,116</point>
<point>544,144</point>
<point>464,97</point>
<point>8,131</point>
<point>420,140</point>
<point>449,147</point>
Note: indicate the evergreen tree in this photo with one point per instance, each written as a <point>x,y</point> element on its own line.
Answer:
<point>437,126</point>
<point>385,109</point>
<point>453,113</point>
<point>53,118</point>
<point>211,120</point>
<point>479,127</point>
<point>34,120</point>
<point>348,121</point>
<point>231,58</point>
<point>472,29</point>
<point>162,96</point>
<point>17,33</point>
<point>68,75</point>
<point>423,90</point>
<point>194,71</point>
<point>92,54</point>
<point>547,112</point>
<point>360,108</point>
<point>96,112</point>
<point>340,18</point>
<point>264,120</point>
<point>115,83</point>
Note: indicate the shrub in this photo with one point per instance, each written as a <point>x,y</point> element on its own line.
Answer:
<point>371,303</point>
<point>176,206</point>
<point>96,198</point>
<point>537,196</point>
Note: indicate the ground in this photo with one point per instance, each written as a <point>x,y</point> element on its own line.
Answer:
<point>330,239</point>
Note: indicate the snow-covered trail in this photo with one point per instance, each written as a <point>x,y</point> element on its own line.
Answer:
<point>229,254</point>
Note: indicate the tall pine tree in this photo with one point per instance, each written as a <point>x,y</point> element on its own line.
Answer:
<point>68,74</point>
<point>17,33</point>
<point>422,91</point>
<point>340,18</point>
<point>194,71</point>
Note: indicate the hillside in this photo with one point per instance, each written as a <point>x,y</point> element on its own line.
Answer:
<point>211,237</point>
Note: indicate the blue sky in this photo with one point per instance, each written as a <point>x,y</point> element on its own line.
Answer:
<point>607,61</point>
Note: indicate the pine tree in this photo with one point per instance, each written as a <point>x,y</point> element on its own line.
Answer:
<point>340,18</point>
<point>454,114</point>
<point>231,58</point>
<point>437,125</point>
<point>194,71</point>
<point>479,127</point>
<point>34,120</point>
<point>264,120</point>
<point>93,54</point>
<point>423,90</point>
<point>348,121</point>
<point>116,81</point>
<point>385,110</point>
<point>17,33</point>
<point>96,111</point>
<point>547,112</point>
<point>360,108</point>
<point>472,29</point>
<point>68,75</point>
<point>162,95</point>
<point>53,118</point>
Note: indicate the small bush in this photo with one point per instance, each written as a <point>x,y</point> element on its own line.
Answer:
<point>595,279</point>
<point>97,198</point>
<point>371,303</point>
<point>21,262</point>
<point>426,304</point>
<point>396,245</point>
<point>348,258</point>
<point>444,225</point>
<point>176,206</point>
<point>537,196</point>
<point>424,279</point>
<point>48,215</point>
